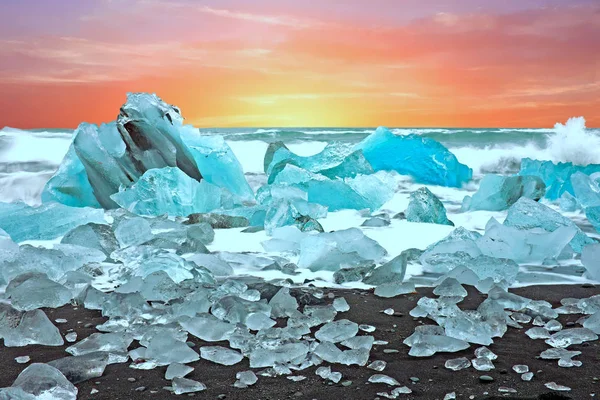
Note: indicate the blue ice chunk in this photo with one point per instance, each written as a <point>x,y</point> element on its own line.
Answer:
<point>170,191</point>
<point>586,189</point>
<point>593,215</point>
<point>70,184</point>
<point>497,192</point>
<point>361,192</point>
<point>216,162</point>
<point>340,249</point>
<point>45,222</point>
<point>524,245</point>
<point>529,214</point>
<point>148,134</point>
<point>567,202</point>
<point>288,205</point>
<point>557,177</point>
<point>337,160</point>
<point>425,159</point>
<point>424,206</point>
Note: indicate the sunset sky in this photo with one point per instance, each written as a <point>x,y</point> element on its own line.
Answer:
<point>470,63</point>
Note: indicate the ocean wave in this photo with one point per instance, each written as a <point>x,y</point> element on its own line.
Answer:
<point>572,142</point>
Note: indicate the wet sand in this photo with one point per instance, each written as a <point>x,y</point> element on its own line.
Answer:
<point>434,381</point>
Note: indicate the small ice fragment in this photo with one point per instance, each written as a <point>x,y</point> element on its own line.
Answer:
<point>71,337</point>
<point>457,364</point>
<point>520,368</point>
<point>296,378</point>
<point>393,289</point>
<point>377,365</point>
<point>367,328</point>
<point>450,396</point>
<point>380,378</point>
<point>220,355</point>
<point>325,373</point>
<point>482,364</point>
<point>538,321</point>
<point>22,359</point>
<point>527,376</point>
<point>389,311</point>
<point>484,352</point>
<point>60,321</point>
<point>245,379</point>
<point>450,287</point>
<point>557,387</point>
<point>568,363</point>
<point>504,389</point>
<point>340,304</point>
<point>537,333</point>
<point>183,385</point>
<point>337,331</point>
<point>553,326</point>
<point>177,370</point>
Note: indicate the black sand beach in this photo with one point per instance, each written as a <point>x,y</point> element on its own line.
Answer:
<point>434,381</point>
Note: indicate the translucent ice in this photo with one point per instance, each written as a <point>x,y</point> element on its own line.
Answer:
<point>450,287</point>
<point>245,379</point>
<point>70,184</point>
<point>456,364</point>
<point>335,250</point>
<point>528,214</point>
<point>283,303</point>
<point>391,272</point>
<point>31,291</point>
<point>164,350</point>
<point>422,158</point>
<point>268,357</point>
<point>326,373</point>
<point>590,258</point>
<point>483,364</point>
<point>568,337</point>
<point>360,192</point>
<point>44,382</point>
<point>96,236</point>
<point>45,222</point>
<point>24,328</point>
<point>586,189</point>
<point>170,191</point>
<point>524,245</point>
<point>394,289</point>
<point>176,370</point>
<point>337,160</point>
<point>79,369</point>
<point>497,192</point>
<point>184,385</point>
<point>337,331</point>
<point>208,328</point>
<point>557,177</point>
<point>220,355</point>
<point>380,378</point>
<point>115,344</point>
<point>593,323</point>
<point>148,134</point>
<point>424,206</point>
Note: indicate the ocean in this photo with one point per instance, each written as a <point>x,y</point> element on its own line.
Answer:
<point>28,158</point>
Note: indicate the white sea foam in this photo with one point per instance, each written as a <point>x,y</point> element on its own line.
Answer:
<point>572,142</point>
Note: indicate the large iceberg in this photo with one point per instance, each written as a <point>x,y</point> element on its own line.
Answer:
<point>498,192</point>
<point>45,222</point>
<point>148,134</point>
<point>426,160</point>
<point>557,177</point>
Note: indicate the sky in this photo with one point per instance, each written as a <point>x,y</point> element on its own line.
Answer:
<point>227,63</point>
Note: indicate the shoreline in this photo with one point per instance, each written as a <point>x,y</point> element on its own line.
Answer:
<point>365,308</point>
